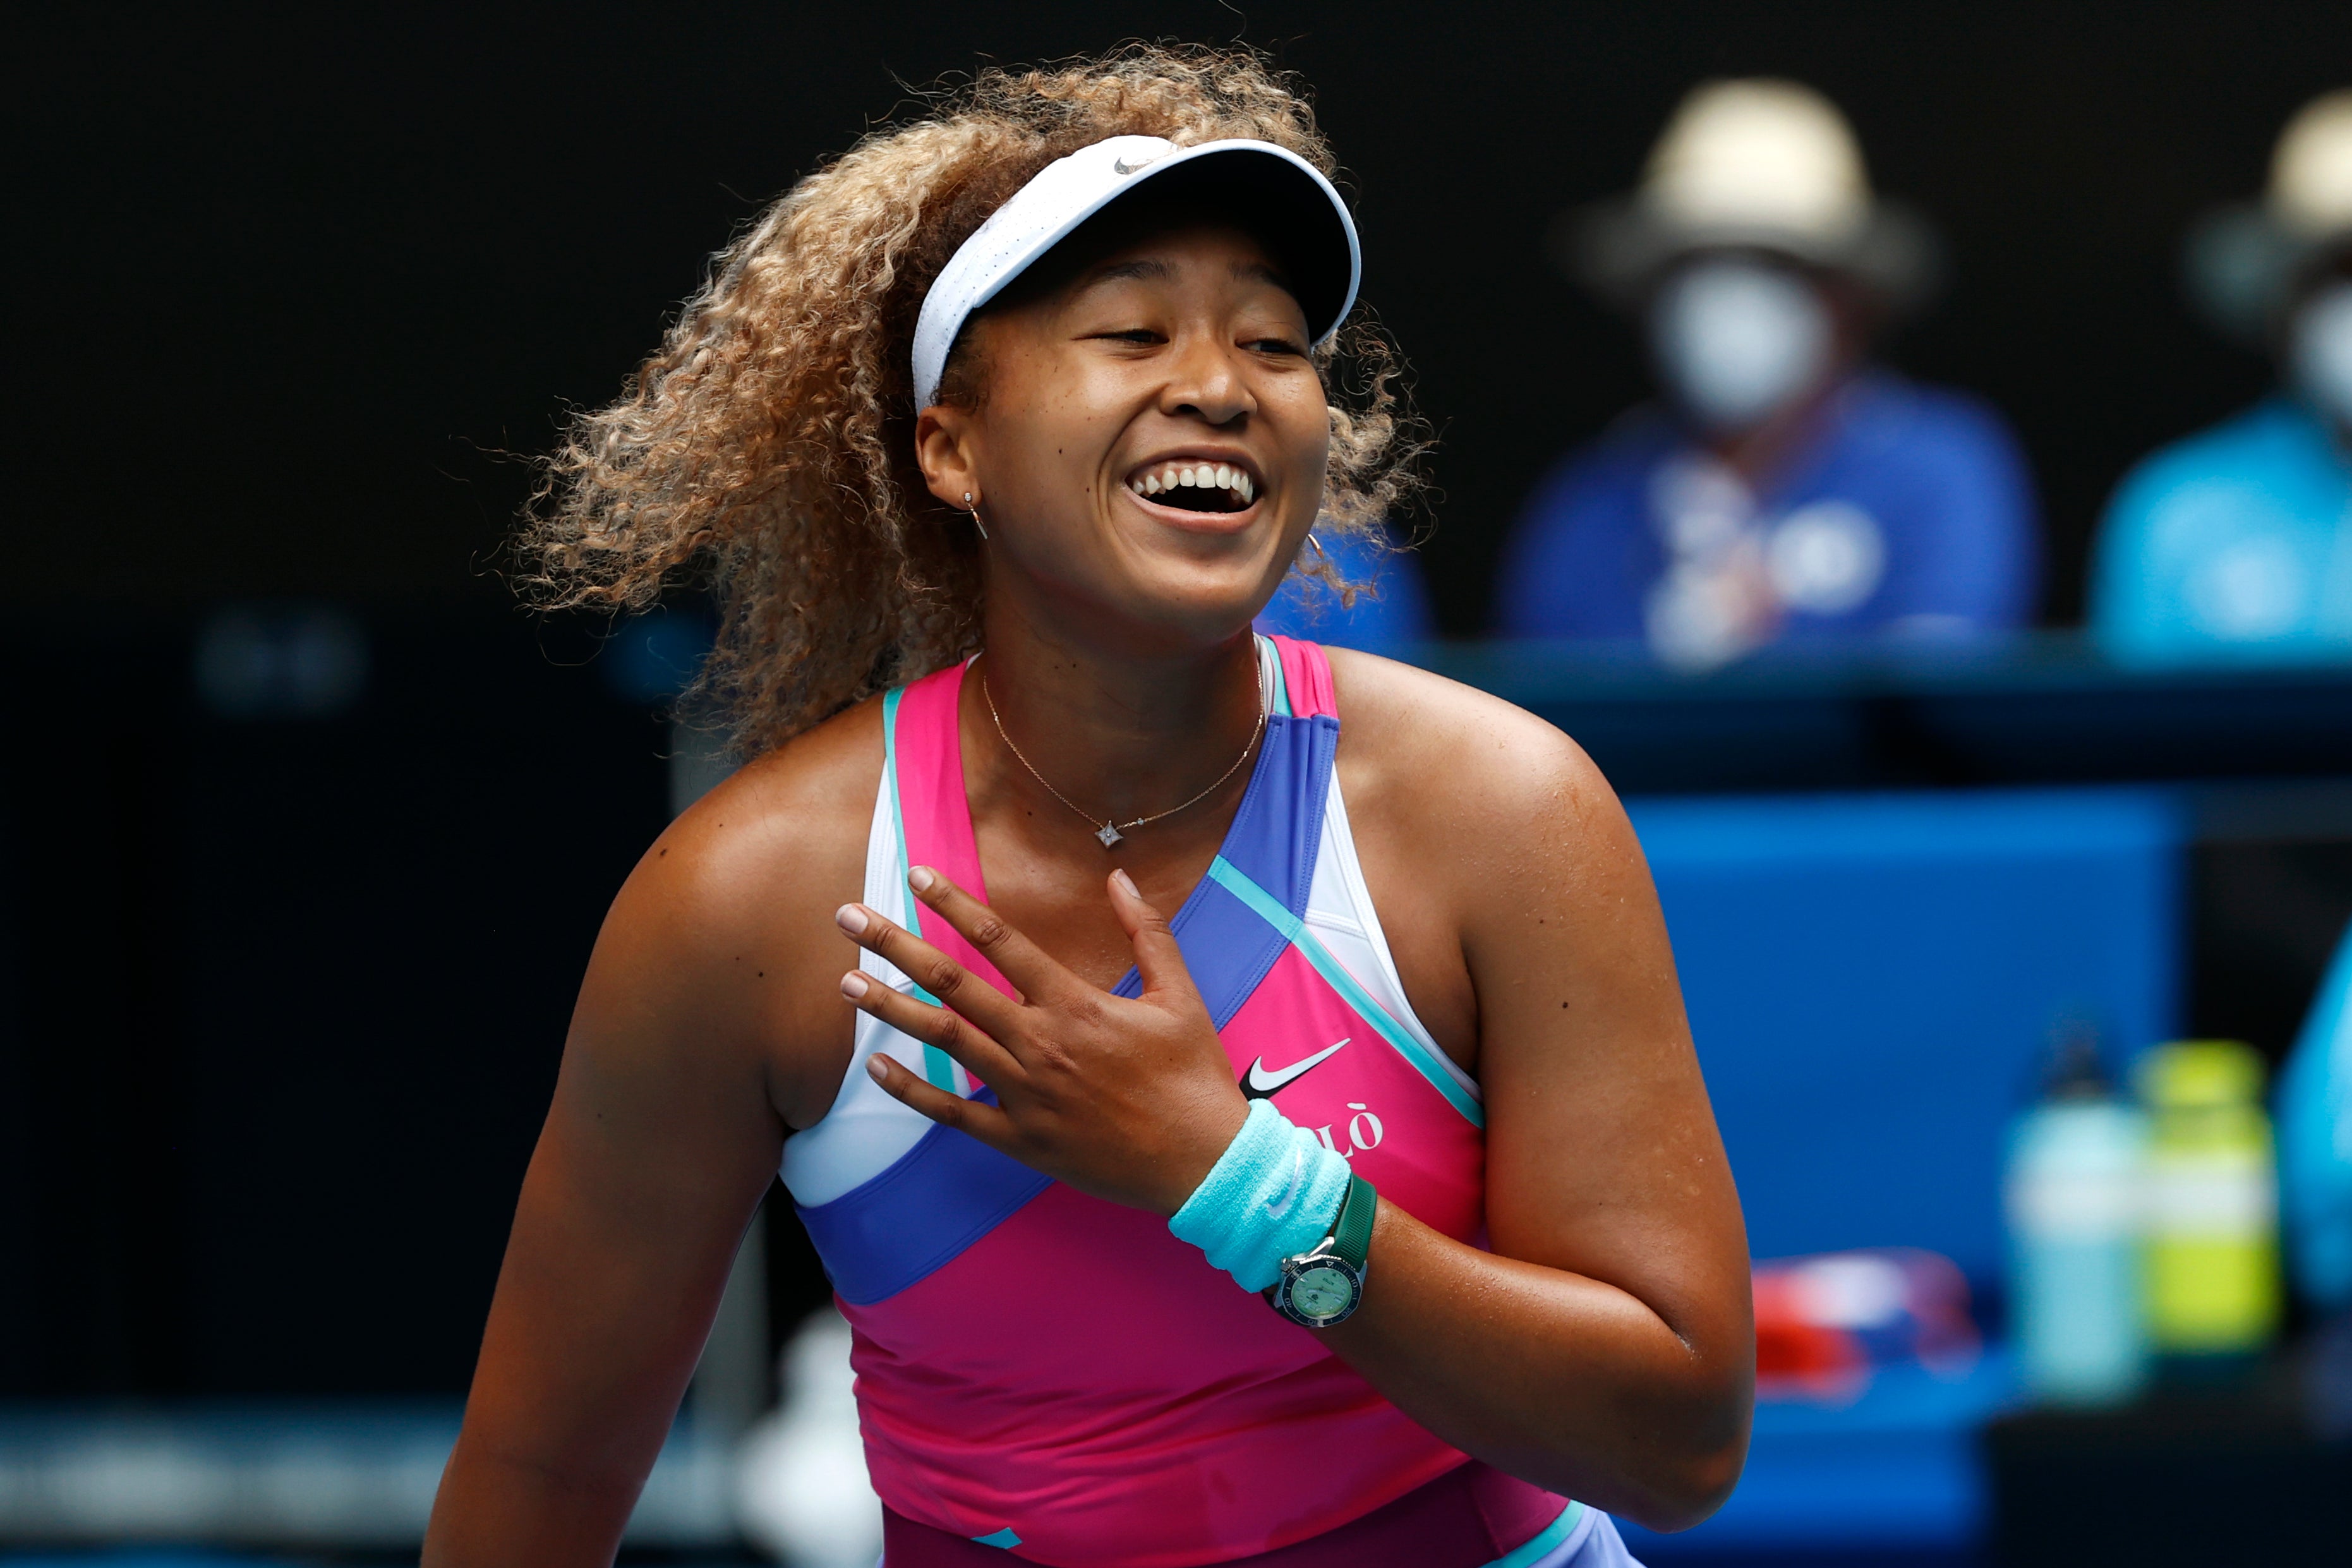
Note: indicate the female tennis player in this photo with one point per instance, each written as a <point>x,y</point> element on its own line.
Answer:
<point>1240,1093</point>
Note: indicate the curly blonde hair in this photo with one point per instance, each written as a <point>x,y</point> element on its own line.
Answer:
<point>766,451</point>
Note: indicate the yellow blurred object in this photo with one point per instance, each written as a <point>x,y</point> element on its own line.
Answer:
<point>2247,260</point>
<point>1755,165</point>
<point>2311,170</point>
<point>2213,1200</point>
<point>1774,157</point>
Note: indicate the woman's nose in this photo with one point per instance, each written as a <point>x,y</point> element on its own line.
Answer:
<point>1208,383</point>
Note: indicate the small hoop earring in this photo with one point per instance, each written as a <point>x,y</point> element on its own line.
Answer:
<point>969,507</point>
<point>1315,543</point>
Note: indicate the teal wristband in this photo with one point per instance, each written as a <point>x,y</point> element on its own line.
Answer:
<point>1272,1194</point>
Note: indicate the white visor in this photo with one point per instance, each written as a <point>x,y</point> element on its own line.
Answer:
<point>1262,185</point>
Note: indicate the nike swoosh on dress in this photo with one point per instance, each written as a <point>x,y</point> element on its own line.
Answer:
<point>1258,1084</point>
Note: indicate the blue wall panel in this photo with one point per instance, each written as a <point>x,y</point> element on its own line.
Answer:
<point>1872,980</point>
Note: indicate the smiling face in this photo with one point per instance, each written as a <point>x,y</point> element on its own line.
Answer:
<point>1149,451</point>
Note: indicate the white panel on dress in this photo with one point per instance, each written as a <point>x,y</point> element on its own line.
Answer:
<point>866,1131</point>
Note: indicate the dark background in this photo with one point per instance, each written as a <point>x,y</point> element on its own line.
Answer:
<point>288,276</point>
<point>281,998</point>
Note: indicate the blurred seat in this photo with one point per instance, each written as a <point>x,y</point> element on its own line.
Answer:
<point>1392,617</point>
<point>2315,1109</point>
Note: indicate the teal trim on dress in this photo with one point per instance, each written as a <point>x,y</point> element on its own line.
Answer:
<point>1001,1538</point>
<point>1335,973</point>
<point>1280,706</point>
<point>1545,1540</point>
<point>939,1067</point>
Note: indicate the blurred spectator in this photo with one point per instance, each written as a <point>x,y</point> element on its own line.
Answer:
<point>1388,620</point>
<point>2235,540</point>
<point>1785,491</point>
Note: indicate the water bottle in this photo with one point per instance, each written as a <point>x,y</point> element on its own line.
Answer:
<point>2073,1195</point>
<point>2212,1207</point>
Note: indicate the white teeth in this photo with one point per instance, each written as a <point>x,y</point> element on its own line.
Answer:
<point>1201,475</point>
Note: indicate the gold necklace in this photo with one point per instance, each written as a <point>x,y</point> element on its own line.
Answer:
<point>1111,833</point>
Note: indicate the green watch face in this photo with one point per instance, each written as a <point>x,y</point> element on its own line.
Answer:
<point>1321,1292</point>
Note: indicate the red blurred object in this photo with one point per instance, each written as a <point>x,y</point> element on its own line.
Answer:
<point>1825,1323</point>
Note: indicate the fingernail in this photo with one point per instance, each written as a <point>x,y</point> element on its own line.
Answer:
<point>1126,885</point>
<point>850,918</point>
<point>873,1066</point>
<point>920,878</point>
<point>853,985</point>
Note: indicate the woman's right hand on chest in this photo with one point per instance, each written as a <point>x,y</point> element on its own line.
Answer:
<point>1131,1099</point>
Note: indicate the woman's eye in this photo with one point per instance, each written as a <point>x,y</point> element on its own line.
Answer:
<point>1133,336</point>
<point>1277,346</point>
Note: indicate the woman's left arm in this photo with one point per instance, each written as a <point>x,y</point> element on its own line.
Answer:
<point>1604,1348</point>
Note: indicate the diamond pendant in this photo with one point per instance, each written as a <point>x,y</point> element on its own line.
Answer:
<point>1109,835</point>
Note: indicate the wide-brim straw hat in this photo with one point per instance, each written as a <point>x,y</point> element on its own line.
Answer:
<point>2243,261</point>
<point>1754,164</point>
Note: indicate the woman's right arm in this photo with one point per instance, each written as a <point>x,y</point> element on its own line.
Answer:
<point>696,1044</point>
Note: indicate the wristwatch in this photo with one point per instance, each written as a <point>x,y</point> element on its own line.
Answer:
<point>1324,1286</point>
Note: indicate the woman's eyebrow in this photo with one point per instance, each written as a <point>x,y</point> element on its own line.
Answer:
<point>1141,269</point>
<point>1151,270</point>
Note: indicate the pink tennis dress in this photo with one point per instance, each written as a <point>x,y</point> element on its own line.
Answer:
<point>1049,1375</point>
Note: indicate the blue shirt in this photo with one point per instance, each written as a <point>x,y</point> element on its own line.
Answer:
<point>2230,544</point>
<point>1387,622</point>
<point>1910,508</point>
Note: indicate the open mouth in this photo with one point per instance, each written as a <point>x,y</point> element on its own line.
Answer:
<point>1197,487</point>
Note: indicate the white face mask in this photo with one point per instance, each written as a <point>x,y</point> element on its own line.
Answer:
<point>1734,340</point>
<point>2319,349</point>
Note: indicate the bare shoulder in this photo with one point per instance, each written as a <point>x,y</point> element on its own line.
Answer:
<point>1451,757</point>
<point>776,823</point>
<point>1500,857</point>
<point>722,943</point>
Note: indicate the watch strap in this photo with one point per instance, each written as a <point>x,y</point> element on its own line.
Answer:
<point>1351,1233</point>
